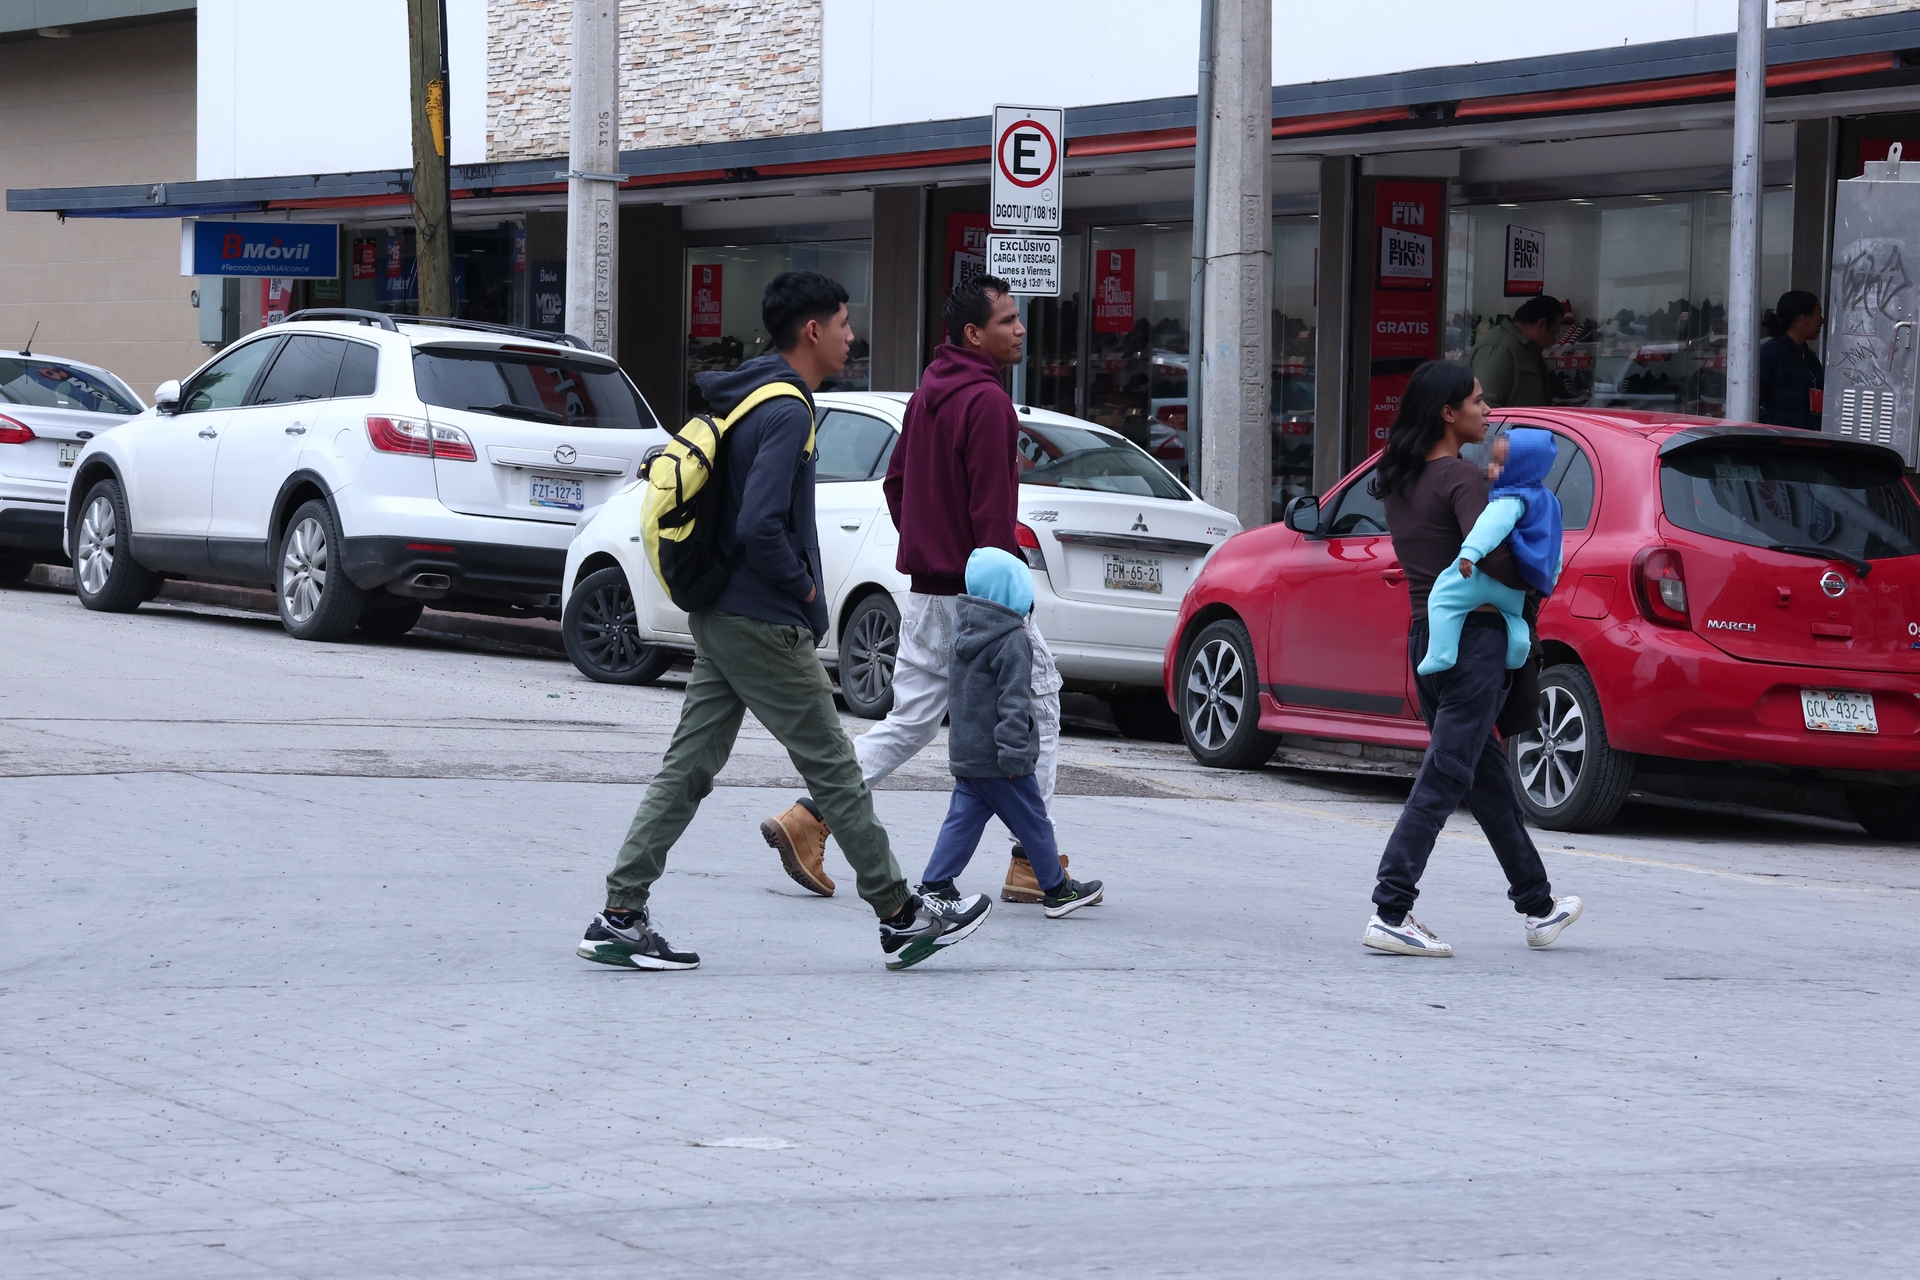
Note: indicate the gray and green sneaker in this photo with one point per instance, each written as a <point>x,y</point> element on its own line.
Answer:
<point>933,924</point>
<point>626,940</point>
<point>1070,896</point>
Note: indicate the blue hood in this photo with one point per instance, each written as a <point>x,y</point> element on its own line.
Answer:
<point>994,575</point>
<point>1536,538</point>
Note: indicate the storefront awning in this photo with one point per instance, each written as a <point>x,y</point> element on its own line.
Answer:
<point>1865,53</point>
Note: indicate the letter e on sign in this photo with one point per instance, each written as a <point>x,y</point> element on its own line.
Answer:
<point>1028,184</point>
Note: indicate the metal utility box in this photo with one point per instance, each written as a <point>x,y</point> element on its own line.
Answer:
<point>1873,348</point>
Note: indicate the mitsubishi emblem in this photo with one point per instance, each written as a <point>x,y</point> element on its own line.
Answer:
<point>565,455</point>
<point>1140,523</point>
<point>1833,584</point>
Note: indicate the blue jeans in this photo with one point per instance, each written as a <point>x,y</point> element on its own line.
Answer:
<point>1464,760</point>
<point>1016,802</point>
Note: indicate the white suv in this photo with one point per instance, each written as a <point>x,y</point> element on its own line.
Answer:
<point>361,465</point>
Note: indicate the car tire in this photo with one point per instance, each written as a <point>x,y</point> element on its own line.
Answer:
<point>1891,813</point>
<point>1218,684</point>
<point>1566,775</point>
<point>1144,714</point>
<point>869,646</point>
<point>106,577</point>
<point>601,629</point>
<point>390,622</point>
<point>14,572</point>
<point>317,600</point>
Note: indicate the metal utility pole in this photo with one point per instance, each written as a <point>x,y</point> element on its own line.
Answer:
<point>432,219</point>
<point>1197,286</point>
<point>593,177</point>
<point>1743,247</point>
<point>1236,462</point>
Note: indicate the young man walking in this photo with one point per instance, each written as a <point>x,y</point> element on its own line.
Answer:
<point>754,651</point>
<point>951,487</point>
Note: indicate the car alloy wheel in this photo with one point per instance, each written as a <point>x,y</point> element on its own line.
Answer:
<point>99,533</point>
<point>303,570</point>
<point>868,650</point>
<point>1549,762</point>
<point>1216,694</point>
<point>609,627</point>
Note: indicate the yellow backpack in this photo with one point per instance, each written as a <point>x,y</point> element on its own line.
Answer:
<point>680,516</point>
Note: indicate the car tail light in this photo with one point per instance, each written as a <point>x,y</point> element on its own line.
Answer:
<point>423,439</point>
<point>1661,586</point>
<point>12,432</point>
<point>1029,543</point>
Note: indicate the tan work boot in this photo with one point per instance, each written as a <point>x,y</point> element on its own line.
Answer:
<point>800,838</point>
<point>1022,885</point>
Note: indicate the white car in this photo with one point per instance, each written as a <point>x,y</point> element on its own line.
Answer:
<point>1113,539</point>
<point>49,408</point>
<point>361,465</point>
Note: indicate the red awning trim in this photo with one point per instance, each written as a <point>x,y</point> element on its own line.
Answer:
<point>869,164</point>
<point>1294,127</point>
<point>1114,144</point>
<point>1713,85</point>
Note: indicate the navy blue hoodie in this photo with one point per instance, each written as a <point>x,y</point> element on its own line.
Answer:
<point>769,522</point>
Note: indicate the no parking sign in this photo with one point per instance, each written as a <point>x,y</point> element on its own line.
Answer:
<point>1028,146</point>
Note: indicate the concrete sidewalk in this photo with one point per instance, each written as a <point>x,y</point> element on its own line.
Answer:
<point>271,1020</point>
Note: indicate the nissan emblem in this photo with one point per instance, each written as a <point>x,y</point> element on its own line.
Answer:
<point>1833,584</point>
<point>565,455</point>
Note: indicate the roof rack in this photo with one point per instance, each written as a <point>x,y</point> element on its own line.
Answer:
<point>485,326</point>
<point>347,313</point>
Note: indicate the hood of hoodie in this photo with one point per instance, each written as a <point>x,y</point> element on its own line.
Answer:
<point>726,388</point>
<point>953,370</point>
<point>979,624</point>
<point>1535,540</point>
<point>994,575</point>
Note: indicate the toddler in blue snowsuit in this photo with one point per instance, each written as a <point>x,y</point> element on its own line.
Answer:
<point>1522,513</point>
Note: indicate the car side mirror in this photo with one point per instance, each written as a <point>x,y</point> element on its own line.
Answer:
<point>1303,514</point>
<point>166,396</point>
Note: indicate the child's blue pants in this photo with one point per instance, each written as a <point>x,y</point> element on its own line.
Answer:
<point>1016,802</point>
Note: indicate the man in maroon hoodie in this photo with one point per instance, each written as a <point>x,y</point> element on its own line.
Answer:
<point>951,487</point>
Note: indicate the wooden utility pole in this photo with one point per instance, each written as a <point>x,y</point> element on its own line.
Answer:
<point>432,219</point>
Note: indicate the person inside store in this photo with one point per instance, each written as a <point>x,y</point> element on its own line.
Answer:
<point>1791,375</point>
<point>1507,358</point>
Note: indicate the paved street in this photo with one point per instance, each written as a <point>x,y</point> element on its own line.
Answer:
<point>287,989</point>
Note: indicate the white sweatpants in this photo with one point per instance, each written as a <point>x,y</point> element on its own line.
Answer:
<point>920,695</point>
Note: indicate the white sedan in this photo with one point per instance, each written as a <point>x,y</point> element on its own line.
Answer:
<point>1114,541</point>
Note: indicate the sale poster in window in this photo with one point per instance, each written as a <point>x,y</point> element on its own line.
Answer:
<point>1113,291</point>
<point>704,290</point>
<point>1526,262</point>
<point>966,247</point>
<point>1404,322</point>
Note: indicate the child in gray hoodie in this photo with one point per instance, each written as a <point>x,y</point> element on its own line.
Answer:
<point>993,742</point>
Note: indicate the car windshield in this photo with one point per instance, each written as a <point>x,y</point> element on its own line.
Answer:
<point>530,388</point>
<point>1807,499</point>
<point>1077,458</point>
<point>49,384</point>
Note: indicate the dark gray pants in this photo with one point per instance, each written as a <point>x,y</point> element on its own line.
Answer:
<point>1464,760</point>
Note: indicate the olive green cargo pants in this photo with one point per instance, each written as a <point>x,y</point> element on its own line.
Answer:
<point>743,665</point>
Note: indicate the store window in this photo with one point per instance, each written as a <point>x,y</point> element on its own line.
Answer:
<point>1052,373</point>
<point>1645,279</point>
<point>489,273</point>
<point>1138,283</point>
<point>1296,330</point>
<point>724,287</point>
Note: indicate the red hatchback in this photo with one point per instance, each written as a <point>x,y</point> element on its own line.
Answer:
<point>1734,596</point>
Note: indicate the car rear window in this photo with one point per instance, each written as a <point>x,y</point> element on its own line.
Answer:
<point>48,384</point>
<point>1803,498</point>
<point>530,387</point>
<point>1076,458</point>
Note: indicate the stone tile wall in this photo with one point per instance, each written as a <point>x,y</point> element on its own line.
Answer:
<point>693,72</point>
<point>1795,13</point>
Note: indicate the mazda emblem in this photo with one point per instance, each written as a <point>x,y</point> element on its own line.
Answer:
<point>1833,584</point>
<point>565,455</point>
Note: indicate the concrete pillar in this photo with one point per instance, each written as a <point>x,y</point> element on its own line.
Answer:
<point>593,180</point>
<point>1236,446</point>
<point>1333,353</point>
<point>899,287</point>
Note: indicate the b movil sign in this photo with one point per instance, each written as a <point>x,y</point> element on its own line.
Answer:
<point>307,250</point>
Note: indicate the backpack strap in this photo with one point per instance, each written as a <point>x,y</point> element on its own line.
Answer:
<point>760,395</point>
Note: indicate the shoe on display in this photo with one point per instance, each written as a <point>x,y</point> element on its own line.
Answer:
<point>1408,938</point>
<point>1022,885</point>
<point>1071,896</point>
<point>1543,930</point>
<point>626,940</point>
<point>799,836</point>
<point>935,923</point>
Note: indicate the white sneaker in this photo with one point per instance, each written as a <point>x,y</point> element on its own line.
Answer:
<point>1409,938</point>
<point>1542,930</point>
